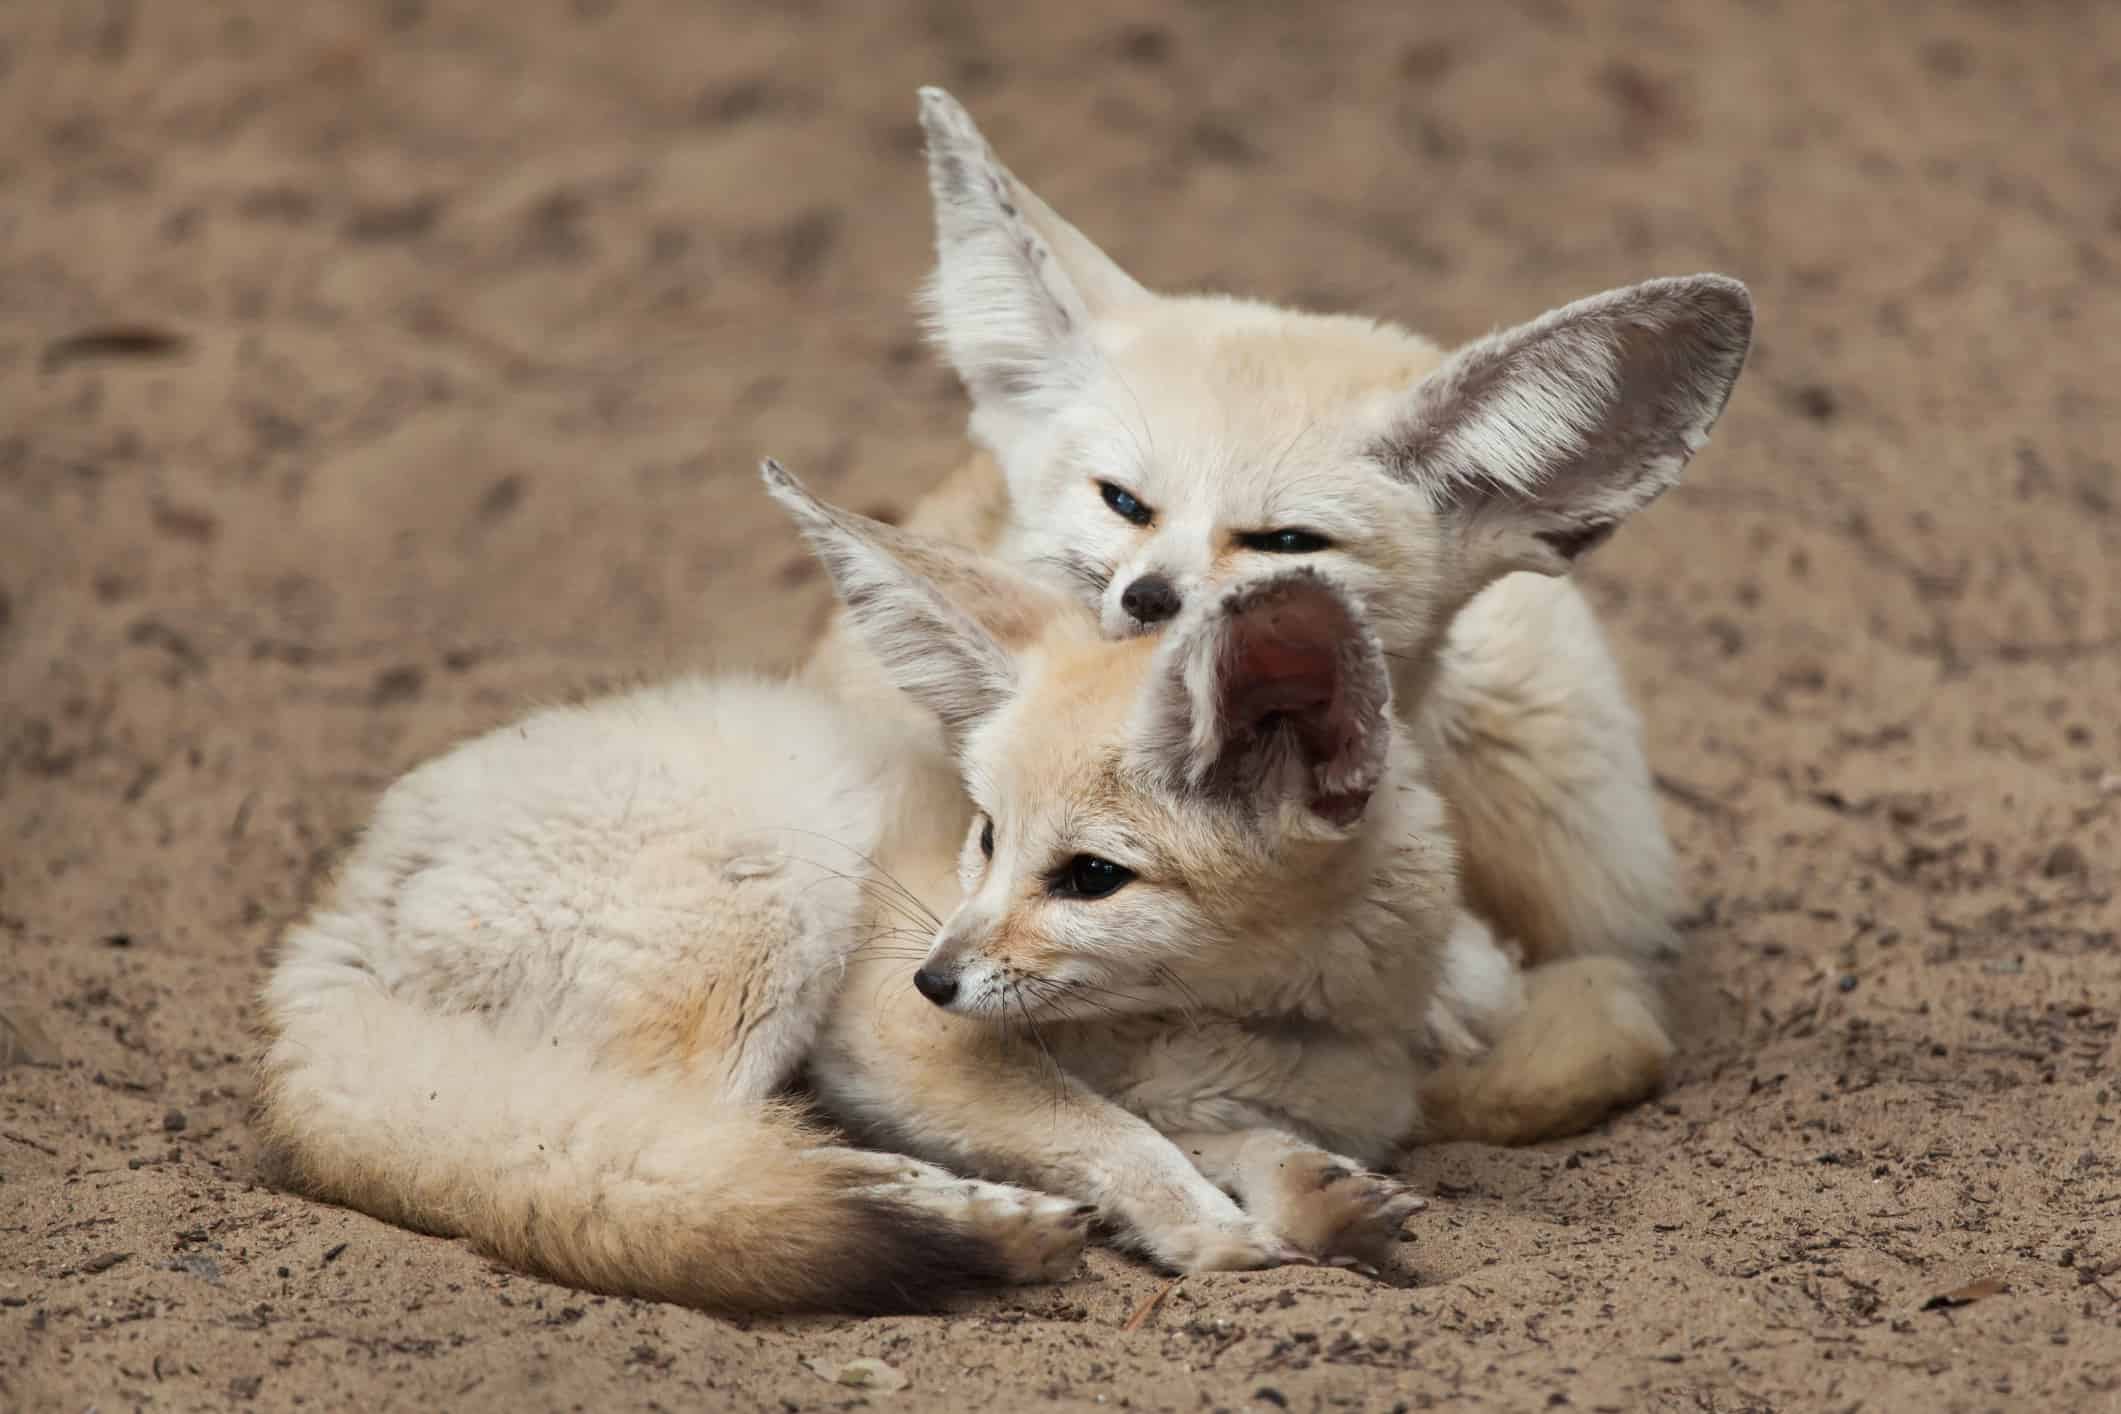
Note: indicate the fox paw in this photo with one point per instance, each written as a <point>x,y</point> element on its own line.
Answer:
<point>1332,1207</point>
<point>1233,1245</point>
<point>1040,1237</point>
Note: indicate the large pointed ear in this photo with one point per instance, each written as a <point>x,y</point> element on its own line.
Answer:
<point>1016,288</point>
<point>1274,691</point>
<point>944,623</point>
<point>1538,441</point>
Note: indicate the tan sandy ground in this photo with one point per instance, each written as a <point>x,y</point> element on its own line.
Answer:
<point>372,370</point>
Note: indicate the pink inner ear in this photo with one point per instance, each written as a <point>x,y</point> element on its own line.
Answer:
<point>1273,674</point>
<point>1291,654</point>
<point>1285,661</point>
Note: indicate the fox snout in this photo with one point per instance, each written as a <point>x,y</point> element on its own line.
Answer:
<point>1151,599</point>
<point>970,971</point>
<point>1142,601</point>
<point>941,977</point>
<point>937,984</point>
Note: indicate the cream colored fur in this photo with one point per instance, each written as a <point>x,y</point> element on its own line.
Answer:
<point>559,982</point>
<point>1455,488</point>
<point>557,994</point>
<point>1250,1015</point>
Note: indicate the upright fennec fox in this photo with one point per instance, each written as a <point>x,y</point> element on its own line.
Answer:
<point>1155,446</point>
<point>1202,935</point>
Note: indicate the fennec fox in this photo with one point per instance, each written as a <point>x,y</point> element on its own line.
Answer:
<point>1143,449</point>
<point>1174,919</point>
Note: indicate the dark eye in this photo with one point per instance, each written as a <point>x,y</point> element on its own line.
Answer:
<point>1124,505</point>
<point>986,839</point>
<point>1285,542</point>
<point>1087,876</point>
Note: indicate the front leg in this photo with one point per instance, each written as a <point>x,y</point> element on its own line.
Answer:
<point>1325,1204</point>
<point>957,1093</point>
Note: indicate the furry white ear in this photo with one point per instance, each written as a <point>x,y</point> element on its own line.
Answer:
<point>1536,442</point>
<point>943,622</point>
<point>1015,287</point>
<point>1274,690</point>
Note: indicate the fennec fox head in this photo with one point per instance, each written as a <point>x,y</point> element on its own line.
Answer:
<point>1160,821</point>
<point>1156,445</point>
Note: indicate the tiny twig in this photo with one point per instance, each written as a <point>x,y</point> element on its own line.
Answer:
<point>1149,1305</point>
<point>1693,797</point>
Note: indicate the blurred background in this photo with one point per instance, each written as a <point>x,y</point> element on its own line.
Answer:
<point>372,369</point>
<point>493,301</point>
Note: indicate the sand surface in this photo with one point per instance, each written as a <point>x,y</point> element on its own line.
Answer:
<point>371,370</point>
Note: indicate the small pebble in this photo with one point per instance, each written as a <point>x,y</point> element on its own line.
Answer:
<point>2064,861</point>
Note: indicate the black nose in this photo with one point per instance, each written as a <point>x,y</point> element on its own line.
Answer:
<point>935,987</point>
<point>1150,599</point>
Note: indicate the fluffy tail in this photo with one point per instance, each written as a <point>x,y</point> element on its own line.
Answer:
<point>615,1182</point>
<point>1588,1039</point>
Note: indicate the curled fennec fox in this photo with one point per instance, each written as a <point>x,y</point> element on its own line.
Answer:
<point>1201,939</point>
<point>1146,448</point>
